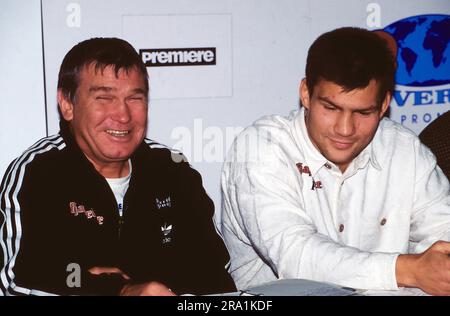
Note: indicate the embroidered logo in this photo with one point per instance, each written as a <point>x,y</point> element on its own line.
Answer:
<point>167,233</point>
<point>303,169</point>
<point>163,203</point>
<point>316,185</point>
<point>80,209</point>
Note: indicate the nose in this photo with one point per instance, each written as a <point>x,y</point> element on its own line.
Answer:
<point>122,112</point>
<point>345,125</point>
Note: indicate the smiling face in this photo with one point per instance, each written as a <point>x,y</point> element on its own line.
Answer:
<point>341,124</point>
<point>109,115</point>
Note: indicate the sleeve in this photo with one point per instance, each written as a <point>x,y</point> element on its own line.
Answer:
<point>32,259</point>
<point>430,218</point>
<point>204,256</point>
<point>263,209</point>
<point>4,238</point>
<point>18,276</point>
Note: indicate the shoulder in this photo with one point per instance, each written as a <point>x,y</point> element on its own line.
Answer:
<point>394,140</point>
<point>174,167</point>
<point>44,145</point>
<point>165,160</point>
<point>265,138</point>
<point>163,153</point>
<point>41,151</point>
<point>264,149</point>
<point>390,132</point>
<point>34,161</point>
<point>273,125</point>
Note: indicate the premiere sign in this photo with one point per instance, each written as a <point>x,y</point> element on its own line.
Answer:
<point>161,57</point>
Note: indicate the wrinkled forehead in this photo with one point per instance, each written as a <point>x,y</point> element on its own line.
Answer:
<point>100,69</point>
<point>99,72</point>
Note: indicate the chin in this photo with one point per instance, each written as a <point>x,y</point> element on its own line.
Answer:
<point>118,156</point>
<point>124,149</point>
<point>336,159</point>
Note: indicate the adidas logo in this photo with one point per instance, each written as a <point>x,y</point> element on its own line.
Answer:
<point>163,203</point>
<point>166,230</point>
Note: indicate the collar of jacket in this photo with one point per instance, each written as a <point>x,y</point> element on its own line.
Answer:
<point>75,151</point>
<point>77,154</point>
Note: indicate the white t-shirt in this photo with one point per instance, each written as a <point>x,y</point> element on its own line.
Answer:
<point>119,186</point>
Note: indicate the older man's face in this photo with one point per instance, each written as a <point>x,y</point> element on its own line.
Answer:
<point>109,115</point>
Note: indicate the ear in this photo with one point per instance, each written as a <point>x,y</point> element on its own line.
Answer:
<point>304,94</point>
<point>385,104</point>
<point>65,106</point>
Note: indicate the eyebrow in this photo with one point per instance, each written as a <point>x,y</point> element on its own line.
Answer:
<point>326,100</point>
<point>138,90</point>
<point>109,89</point>
<point>101,88</point>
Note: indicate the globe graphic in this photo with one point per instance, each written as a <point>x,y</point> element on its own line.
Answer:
<point>423,55</point>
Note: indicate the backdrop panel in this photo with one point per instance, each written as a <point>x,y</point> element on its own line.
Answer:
<point>217,65</point>
<point>22,104</point>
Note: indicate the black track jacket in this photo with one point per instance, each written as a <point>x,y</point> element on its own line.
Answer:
<point>58,213</point>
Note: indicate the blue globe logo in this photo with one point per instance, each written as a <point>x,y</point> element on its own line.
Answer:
<point>423,49</point>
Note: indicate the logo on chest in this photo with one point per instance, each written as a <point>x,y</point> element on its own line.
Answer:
<point>167,233</point>
<point>305,170</point>
<point>77,209</point>
<point>165,202</point>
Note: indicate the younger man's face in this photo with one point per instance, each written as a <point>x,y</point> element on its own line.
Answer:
<point>341,124</point>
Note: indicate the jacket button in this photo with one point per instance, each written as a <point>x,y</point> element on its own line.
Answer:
<point>383,221</point>
<point>341,228</point>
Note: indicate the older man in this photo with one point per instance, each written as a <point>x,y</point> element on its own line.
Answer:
<point>98,208</point>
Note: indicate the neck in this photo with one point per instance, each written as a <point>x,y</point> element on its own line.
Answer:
<point>343,167</point>
<point>118,169</point>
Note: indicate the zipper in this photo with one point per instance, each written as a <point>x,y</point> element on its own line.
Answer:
<point>121,221</point>
<point>121,217</point>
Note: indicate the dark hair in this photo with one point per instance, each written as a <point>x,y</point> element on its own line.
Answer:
<point>351,57</point>
<point>102,52</point>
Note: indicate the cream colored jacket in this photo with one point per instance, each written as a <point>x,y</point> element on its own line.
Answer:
<point>289,213</point>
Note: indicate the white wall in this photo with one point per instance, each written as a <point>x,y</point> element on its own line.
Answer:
<point>261,51</point>
<point>22,106</point>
